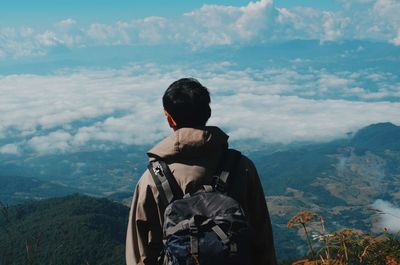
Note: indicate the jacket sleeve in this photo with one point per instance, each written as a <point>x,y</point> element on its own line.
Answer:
<point>143,239</point>
<point>259,218</point>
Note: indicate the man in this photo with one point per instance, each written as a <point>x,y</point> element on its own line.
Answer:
<point>193,153</point>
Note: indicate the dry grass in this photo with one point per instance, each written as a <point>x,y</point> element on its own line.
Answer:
<point>345,246</point>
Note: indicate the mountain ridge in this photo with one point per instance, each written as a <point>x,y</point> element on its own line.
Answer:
<point>377,137</point>
<point>338,180</point>
<point>18,189</point>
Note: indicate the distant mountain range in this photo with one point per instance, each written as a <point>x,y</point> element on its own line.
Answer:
<point>336,55</point>
<point>16,189</point>
<point>338,179</point>
<point>96,173</point>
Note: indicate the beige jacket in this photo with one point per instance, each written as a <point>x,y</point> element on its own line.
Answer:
<point>193,155</point>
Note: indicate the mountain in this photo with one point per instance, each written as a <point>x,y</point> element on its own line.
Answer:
<point>377,138</point>
<point>345,55</point>
<point>98,173</point>
<point>72,230</point>
<point>338,180</point>
<point>17,189</point>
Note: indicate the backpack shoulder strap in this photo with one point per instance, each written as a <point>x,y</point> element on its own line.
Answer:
<point>229,162</point>
<point>165,181</point>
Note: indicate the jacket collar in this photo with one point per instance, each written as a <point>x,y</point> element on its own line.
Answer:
<point>190,142</point>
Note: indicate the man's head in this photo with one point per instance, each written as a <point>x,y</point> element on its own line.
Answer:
<point>188,103</point>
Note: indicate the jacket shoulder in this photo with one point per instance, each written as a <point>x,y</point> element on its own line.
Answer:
<point>245,163</point>
<point>146,184</point>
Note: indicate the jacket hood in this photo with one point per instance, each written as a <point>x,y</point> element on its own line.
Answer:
<point>190,142</point>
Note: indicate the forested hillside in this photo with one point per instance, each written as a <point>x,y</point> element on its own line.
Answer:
<point>71,230</point>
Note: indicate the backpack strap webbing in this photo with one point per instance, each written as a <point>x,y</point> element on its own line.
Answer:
<point>165,182</point>
<point>229,162</point>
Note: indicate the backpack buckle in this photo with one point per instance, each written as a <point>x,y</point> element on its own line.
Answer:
<point>219,185</point>
<point>233,249</point>
<point>194,230</point>
<point>208,188</point>
<point>158,170</point>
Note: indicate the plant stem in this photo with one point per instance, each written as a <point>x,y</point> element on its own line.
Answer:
<point>308,240</point>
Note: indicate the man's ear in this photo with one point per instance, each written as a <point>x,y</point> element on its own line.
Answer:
<point>171,121</point>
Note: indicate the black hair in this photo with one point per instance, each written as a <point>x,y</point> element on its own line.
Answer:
<point>188,102</point>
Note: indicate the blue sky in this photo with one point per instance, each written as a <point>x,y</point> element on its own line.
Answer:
<point>42,13</point>
<point>39,12</point>
<point>88,74</point>
<point>37,28</point>
<point>19,12</point>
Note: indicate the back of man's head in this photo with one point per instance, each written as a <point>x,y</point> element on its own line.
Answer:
<point>188,102</point>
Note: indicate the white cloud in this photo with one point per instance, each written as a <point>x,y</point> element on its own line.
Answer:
<point>255,18</point>
<point>375,95</point>
<point>272,118</point>
<point>329,81</point>
<point>389,216</point>
<point>109,34</point>
<point>48,39</point>
<point>211,25</point>
<point>152,29</point>
<point>55,142</point>
<point>84,109</point>
<point>132,129</point>
<point>70,34</point>
<point>29,42</point>
<point>376,77</point>
<point>396,40</point>
<point>333,26</point>
<point>388,10</point>
<point>298,23</point>
<point>19,42</point>
<point>9,149</point>
<point>66,23</point>
<point>221,25</point>
<point>355,90</point>
<point>379,20</point>
<point>310,23</point>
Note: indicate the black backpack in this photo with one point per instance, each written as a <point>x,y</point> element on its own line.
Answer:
<point>204,228</point>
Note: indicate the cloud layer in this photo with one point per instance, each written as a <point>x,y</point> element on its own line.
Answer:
<point>389,217</point>
<point>97,109</point>
<point>257,22</point>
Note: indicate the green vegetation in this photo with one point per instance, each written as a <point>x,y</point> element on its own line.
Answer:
<point>15,189</point>
<point>338,179</point>
<point>294,168</point>
<point>98,173</point>
<point>72,230</point>
<point>377,138</point>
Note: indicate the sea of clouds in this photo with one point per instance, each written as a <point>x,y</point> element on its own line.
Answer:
<point>81,109</point>
<point>76,109</point>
